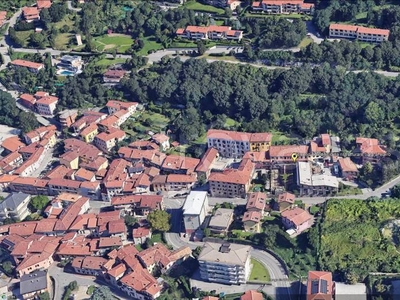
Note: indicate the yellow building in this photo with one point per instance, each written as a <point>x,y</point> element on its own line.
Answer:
<point>260,142</point>
<point>89,133</point>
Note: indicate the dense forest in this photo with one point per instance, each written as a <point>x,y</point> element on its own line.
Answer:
<point>302,100</point>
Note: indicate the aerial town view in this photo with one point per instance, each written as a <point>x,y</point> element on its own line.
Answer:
<point>200,149</point>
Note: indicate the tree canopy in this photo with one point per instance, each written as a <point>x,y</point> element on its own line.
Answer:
<point>102,292</point>
<point>159,220</point>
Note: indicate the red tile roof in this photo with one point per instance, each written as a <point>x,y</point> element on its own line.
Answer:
<point>106,242</point>
<point>318,276</point>
<point>286,197</point>
<point>235,176</point>
<point>254,216</point>
<point>140,232</point>
<point>26,63</point>
<point>207,160</point>
<point>12,144</point>
<point>116,226</point>
<point>296,215</point>
<point>256,200</point>
<point>252,295</point>
<point>177,162</point>
<point>346,165</point>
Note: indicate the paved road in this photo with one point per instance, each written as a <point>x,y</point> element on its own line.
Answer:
<point>70,7</point>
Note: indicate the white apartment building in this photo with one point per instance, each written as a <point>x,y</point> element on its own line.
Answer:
<point>283,7</point>
<point>194,210</point>
<point>46,105</point>
<point>364,34</point>
<point>15,206</point>
<point>225,263</point>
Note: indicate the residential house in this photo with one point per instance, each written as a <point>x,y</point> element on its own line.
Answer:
<point>361,33</point>
<point>140,284</point>
<point>285,201</point>
<point>252,221</point>
<point>46,105</point>
<point>89,133</point>
<point>232,182</point>
<point>88,118</point>
<point>114,106</point>
<point>221,220</point>
<point>116,273</point>
<point>177,164</point>
<point>30,14</point>
<point>195,210</point>
<point>137,205</point>
<point>34,262</point>
<point>320,285</point>
<point>283,7</point>
<point>42,4</point>
<point>28,101</point>
<point>84,175</point>
<point>113,76</point>
<point>15,206</point>
<point>203,169</point>
<point>369,150</point>
<point>31,66</point>
<point>312,181</point>
<point>235,144</point>
<point>32,163</point>
<point>3,17</point>
<point>212,32</point>
<point>89,265</point>
<point>12,144</point>
<point>162,140</point>
<point>347,168</point>
<point>117,228</point>
<point>256,202</point>
<point>68,117</point>
<point>106,141</point>
<point>296,219</point>
<point>140,235</point>
<point>159,257</point>
<point>252,295</point>
<point>225,263</point>
<point>34,284</point>
<point>11,162</point>
<point>40,134</point>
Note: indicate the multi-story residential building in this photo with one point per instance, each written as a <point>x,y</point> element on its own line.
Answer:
<point>204,167</point>
<point>252,221</point>
<point>140,235</point>
<point>283,154</point>
<point>311,182</point>
<point>34,262</point>
<point>232,182</point>
<point>46,105</point>
<point>42,4</point>
<point>67,117</point>
<point>364,34</point>
<point>114,105</point>
<point>162,140</point>
<point>105,141</point>
<point>283,6</point>
<point>31,66</point>
<point>34,284</point>
<point>368,150</point>
<point>177,164</point>
<point>89,133</point>
<point>28,101</point>
<point>173,182</point>
<point>347,168</point>
<point>221,220</point>
<point>211,32</point>
<point>15,206</point>
<point>30,185</point>
<point>89,265</point>
<point>256,202</point>
<point>235,144</point>
<point>225,263</point>
<point>320,285</point>
<point>194,210</point>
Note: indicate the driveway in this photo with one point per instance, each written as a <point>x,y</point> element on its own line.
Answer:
<point>62,280</point>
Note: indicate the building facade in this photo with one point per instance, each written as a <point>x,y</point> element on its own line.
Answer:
<point>195,210</point>
<point>364,34</point>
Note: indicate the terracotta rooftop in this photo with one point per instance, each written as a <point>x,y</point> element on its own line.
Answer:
<point>296,215</point>
<point>207,160</point>
<point>235,176</point>
<point>26,63</point>
<point>256,200</point>
<point>106,242</point>
<point>239,136</point>
<point>286,197</point>
<point>252,295</point>
<point>319,285</point>
<point>346,165</point>
<point>12,144</point>
<point>177,162</point>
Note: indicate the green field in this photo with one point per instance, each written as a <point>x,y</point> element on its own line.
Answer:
<point>193,5</point>
<point>281,138</point>
<point>359,236</point>
<point>62,39</point>
<point>305,42</point>
<point>108,43</point>
<point>149,44</point>
<point>259,272</point>
<point>106,62</point>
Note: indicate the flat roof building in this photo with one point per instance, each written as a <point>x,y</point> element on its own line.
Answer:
<point>225,263</point>
<point>194,210</point>
<point>313,183</point>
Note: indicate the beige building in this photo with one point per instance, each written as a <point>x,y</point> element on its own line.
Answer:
<point>225,263</point>
<point>221,220</point>
<point>364,34</point>
<point>15,206</point>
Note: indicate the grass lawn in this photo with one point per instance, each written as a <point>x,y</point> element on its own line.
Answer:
<point>201,139</point>
<point>138,247</point>
<point>348,190</point>
<point>183,44</point>
<point>259,272</point>
<point>90,290</point>
<point>19,55</point>
<point>24,36</point>
<point>156,238</point>
<point>106,62</point>
<point>280,138</point>
<point>194,5</point>
<point>305,42</point>
<point>314,209</point>
<point>150,43</point>
<point>109,42</point>
<point>230,123</point>
<point>219,22</point>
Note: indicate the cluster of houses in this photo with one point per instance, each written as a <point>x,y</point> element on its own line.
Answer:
<point>32,13</point>
<point>94,244</point>
<point>41,102</point>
